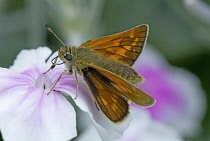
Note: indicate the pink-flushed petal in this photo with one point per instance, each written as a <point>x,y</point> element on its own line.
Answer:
<point>11,82</point>
<point>34,71</point>
<point>27,58</point>
<point>35,116</point>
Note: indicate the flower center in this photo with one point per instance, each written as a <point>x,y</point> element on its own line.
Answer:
<point>43,81</point>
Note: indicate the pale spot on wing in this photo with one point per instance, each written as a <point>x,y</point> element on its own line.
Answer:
<point>133,44</point>
<point>136,40</point>
<point>116,50</point>
<point>114,108</point>
<point>104,101</point>
<point>132,35</point>
<point>127,47</point>
<point>115,57</point>
<point>140,39</point>
<point>138,44</point>
<point>113,99</point>
<point>117,44</point>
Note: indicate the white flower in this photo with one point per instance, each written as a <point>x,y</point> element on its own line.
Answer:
<point>28,113</point>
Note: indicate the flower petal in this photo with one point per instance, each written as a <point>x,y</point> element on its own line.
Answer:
<point>86,127</point>
<point>11,82</point>
<point>143,128</point>
<point>27,58</point>
<point>33,115</point>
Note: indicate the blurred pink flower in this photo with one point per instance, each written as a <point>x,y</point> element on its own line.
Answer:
<point>180,101</point>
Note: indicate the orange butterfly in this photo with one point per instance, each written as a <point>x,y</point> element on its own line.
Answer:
<point>106,65</point>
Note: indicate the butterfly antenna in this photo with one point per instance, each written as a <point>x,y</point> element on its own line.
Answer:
<point>49,29</point>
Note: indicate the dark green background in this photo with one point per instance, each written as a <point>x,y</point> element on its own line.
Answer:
<point>180,36</point>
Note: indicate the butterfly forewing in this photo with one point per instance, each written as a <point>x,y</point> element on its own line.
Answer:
<point>107,98</point>
<point>124,47</point>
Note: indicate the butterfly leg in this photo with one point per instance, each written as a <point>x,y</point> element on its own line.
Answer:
<point>57,82</point>
<point>53,64</point>
<point>77,82</point>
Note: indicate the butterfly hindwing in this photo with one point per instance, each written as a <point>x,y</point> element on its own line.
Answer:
<point>125,89</point>
<point>110,102</point>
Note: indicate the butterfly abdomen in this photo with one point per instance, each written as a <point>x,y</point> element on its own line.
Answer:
<point>126,73</point>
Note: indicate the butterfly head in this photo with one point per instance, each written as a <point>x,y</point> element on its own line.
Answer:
<point>65,54</point>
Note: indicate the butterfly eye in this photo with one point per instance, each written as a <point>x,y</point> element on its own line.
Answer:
<point>68,57</point>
